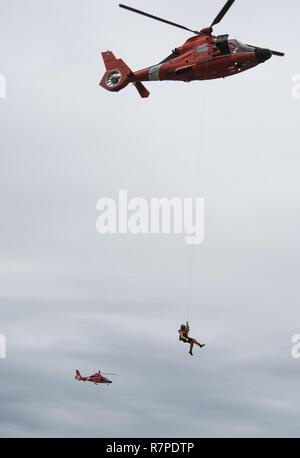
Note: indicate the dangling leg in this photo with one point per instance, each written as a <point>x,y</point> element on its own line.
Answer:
<point>195,342</point>
<point>192,343</point>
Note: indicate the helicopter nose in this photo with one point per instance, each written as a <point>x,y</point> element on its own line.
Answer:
<point>263,54</point>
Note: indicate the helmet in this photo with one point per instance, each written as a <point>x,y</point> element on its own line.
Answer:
<point>183,327</point>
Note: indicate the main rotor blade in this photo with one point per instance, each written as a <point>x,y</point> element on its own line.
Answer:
<point>133,10</point>
<point>222,13</point>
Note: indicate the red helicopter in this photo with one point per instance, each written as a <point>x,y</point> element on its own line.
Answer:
<point>203,57</point>
<point>97,378</point>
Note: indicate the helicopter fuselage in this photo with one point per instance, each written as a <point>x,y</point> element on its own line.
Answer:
<point>204,58</point>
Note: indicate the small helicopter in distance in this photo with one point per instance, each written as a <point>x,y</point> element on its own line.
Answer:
<point>97,378</point>
<point>203,57</point>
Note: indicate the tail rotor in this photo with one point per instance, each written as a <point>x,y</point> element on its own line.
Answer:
<point>118,75</point>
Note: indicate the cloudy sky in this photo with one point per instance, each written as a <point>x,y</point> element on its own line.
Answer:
<point>70,298</point>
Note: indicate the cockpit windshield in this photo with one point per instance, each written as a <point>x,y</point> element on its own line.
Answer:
<point>236,46</point>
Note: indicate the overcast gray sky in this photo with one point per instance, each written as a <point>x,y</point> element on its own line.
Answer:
<point>71,298</point>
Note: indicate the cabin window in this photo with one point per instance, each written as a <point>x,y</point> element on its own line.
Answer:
<point>202,49</point>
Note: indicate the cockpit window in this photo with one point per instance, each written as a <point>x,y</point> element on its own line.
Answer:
<point>247,48</point>
<point>236,46</point>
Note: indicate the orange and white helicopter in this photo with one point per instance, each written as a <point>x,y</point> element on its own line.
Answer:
<point>202,57</point>
<point>97,379</point>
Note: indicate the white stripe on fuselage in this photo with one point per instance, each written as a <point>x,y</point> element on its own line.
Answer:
<point>154,73</point>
